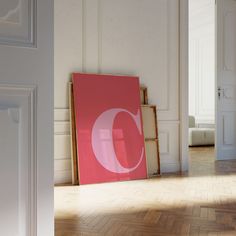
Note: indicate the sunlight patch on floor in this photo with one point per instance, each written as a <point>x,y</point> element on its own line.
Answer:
<point>132,196</point>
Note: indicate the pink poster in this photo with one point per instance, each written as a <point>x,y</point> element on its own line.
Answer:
<point>110,139</point>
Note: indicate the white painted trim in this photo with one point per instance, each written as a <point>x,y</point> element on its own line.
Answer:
<point>216,79</point>
<point>61,114</point>
<point>183,74</point>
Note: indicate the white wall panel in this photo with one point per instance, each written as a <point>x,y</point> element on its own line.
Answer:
<point>61,114</point>
<point>169,146</point>
<point>168,141</point>
<point>62,148</point>
<point>134,37</point>
<point>62,171</point>
<point>68,46</point>
<point>62,177</point>
<point>164,137</point>
<point>128,37</point>
<point>61,165</point>
<point>68,57</point>
<point>61,128</point>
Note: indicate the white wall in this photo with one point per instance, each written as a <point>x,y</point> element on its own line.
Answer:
<point>134,37</point>
<point>202,60</point>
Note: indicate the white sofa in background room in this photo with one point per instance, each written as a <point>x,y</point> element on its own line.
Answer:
<point>200,136</point>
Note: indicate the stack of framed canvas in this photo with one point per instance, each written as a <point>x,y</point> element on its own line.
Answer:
<point>150,128</point>
<point>143,95</point>
<point>108,136</point>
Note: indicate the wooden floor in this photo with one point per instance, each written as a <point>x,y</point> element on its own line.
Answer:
<point>200,203</point>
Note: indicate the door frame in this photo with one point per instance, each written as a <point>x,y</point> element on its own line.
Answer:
<point>184,81</point>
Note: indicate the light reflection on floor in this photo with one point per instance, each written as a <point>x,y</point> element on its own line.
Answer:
<point>206,197</point>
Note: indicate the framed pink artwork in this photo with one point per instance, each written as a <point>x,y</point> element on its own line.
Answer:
<point>109,130</point>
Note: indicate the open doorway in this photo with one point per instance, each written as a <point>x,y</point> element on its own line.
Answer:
<point>201,103</point>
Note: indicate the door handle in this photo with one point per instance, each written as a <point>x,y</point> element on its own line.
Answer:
<point>219,92</point>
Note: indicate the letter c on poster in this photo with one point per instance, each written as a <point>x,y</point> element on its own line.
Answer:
<point>104,151</point>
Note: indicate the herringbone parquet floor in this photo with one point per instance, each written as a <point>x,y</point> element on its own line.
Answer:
<point>200,203</point>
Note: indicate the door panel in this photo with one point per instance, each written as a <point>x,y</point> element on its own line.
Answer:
<point>26,117</point>
<point>17,22</point>
<point>226,79</point>
<point>18,161</point>
<point>229,122</point>
<point>10,194</point>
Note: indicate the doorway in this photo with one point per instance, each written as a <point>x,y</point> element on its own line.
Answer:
<point>201,87</point>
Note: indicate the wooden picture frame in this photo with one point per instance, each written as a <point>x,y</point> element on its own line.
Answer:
<point>109,138</point>
<point>143,95</point>
<point>74,162</point>
<point>150,135</point>
<point>150,128</point>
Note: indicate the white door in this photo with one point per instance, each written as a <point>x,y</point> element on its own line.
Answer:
<point>226,79</point>
<point>26,117</point>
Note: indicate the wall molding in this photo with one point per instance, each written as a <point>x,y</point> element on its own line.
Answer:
<point>61,128</point>
<point>126,35</point>
<point>93,62</point>
<point>168,56</point>
<point>61,114</point>
<point>164,136</point>
<point>62,155</point>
